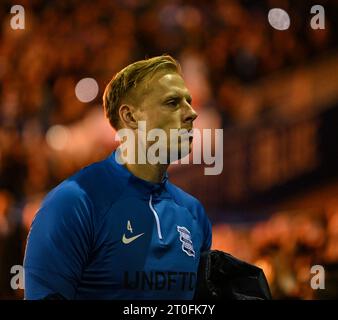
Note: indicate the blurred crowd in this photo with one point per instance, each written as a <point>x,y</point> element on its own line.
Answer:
<point>221,45</point>
<point>288,246</point>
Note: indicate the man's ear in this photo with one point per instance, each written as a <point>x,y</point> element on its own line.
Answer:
<point>127,113</point>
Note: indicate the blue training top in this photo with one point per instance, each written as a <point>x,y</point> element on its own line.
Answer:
<point>106,234</point>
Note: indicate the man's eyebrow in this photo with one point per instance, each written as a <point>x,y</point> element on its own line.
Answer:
<point>178,96</point>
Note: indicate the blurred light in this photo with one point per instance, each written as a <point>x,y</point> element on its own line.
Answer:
<point>57,137</point>
<point>86,89</point>
<point>188,17</point>
<point>279,19</point>
<point>168,15</point>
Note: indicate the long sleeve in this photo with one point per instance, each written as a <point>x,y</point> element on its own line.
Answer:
<point>59,243</point>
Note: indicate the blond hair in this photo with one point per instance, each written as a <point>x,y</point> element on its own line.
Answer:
<point>129,79</point>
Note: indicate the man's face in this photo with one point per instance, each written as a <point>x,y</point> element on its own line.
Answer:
<point>167,105</point>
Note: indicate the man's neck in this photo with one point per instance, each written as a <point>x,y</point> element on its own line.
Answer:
<point>149,172</point>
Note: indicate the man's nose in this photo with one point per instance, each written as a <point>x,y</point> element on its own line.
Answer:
<point>190,114</point>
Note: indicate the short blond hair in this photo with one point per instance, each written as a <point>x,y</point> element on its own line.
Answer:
<point>129,79</point>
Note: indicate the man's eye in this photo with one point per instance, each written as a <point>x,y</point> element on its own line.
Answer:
<point>172,102</point>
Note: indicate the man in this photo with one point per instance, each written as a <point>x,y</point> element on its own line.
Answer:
<point>123,231</point>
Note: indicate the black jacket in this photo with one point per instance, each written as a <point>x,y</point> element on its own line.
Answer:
<point>224,277</point>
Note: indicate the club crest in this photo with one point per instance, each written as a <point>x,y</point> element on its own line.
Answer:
<point>185,238</point>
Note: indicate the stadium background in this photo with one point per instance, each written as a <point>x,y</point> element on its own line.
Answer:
<point>275,94</point>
